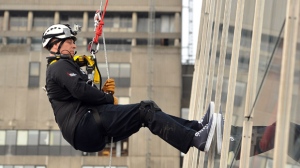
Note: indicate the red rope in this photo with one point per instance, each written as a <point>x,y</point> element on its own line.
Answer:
<point>98,30</point>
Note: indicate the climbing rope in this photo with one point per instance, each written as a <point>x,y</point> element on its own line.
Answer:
<point>94,47</point>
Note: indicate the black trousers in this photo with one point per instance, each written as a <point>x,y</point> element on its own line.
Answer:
<point>121,121</point>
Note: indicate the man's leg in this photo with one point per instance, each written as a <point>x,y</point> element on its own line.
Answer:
<point>176,134</point>
<point>120,121</point>
<point>197,125</point>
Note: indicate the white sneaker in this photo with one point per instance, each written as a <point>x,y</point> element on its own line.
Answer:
<point>208,115</point>
<point>220,128</point>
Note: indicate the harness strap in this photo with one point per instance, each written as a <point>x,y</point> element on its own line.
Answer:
<point>98,122</point>
<point>96,117</point>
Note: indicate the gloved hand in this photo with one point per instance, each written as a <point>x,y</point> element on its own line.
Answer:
<point>109,86</point>
<point>116,101</point>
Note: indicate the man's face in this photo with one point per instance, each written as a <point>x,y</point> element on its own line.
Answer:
<point>67,48</point>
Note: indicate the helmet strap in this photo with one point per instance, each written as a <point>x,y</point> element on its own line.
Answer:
<point>61,43</point>
<point>50,45</point>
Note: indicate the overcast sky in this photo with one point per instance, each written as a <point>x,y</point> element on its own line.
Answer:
<point>185,29</point>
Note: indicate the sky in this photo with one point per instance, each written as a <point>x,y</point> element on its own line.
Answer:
<point>185,29</point>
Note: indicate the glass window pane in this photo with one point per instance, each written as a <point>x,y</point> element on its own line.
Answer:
<point>55,138</point>
<point>34,74</point>
<point>2,137</point>
<point>42,20</point>
<point>142,24</point>
<point>44,138</point>
<point>123,100</point>
<point>114,70</point>
<point>34,68</point>
<point>16,40</point>
<point>40,167</point>
<point>18,166</point>
<point>124,70</point>
<point>33,137</point>
<point>71,18</point>
<point>102,69</point>
<point>7,166</point>
<point>11,137</point>
<point>28,166</point>
<point>22,137</point>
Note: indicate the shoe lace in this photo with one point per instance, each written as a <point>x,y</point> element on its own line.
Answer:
<point>231,138</point>
<point>199,132</point>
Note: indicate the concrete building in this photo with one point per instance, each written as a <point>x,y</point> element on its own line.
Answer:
<point>146,63</point>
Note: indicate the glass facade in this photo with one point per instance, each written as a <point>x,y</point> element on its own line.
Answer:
<point>251,71</point>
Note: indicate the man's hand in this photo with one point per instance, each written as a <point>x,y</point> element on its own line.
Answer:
<point>116,101</point>
<point>109,86</point>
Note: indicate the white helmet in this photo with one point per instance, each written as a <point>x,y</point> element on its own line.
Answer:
<point>57,31</point>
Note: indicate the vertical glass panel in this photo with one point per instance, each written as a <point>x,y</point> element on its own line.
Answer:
<point>264,108</point>
<point>44,138</point>
<point>34,74</point>
<point>28,166</point>
<point>18,166</point>
<point>36,44</point>
<point>126,22</point>
<point>33,136</point>
<point>18,20</point>
<point>22,137</point>
<point>142,23</point>
<point>1,19</point>
<point>102,69</point>
<point>114,70</point>
<point>124,100</point>
<point>34,69</point>
<point>55,138</point>
<point>11,137</point>
<point>124,70</point>
<point>71,18</point>
<point>165,23</point>
<point>42,20</point>
<point>2,137</point>
<point>16,40</point>
<point>294,131</point>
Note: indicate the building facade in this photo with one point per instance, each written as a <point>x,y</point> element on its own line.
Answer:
<point>145,62</point>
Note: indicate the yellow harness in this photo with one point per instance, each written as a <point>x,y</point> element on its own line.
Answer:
<point>89,62</point>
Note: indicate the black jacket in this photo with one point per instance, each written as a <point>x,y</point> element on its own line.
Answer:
<point>70,96</point>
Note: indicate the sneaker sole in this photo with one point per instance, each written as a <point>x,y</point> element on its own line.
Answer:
<point>211,133</point>
<point>211,109</point>
<point>219,133</point>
